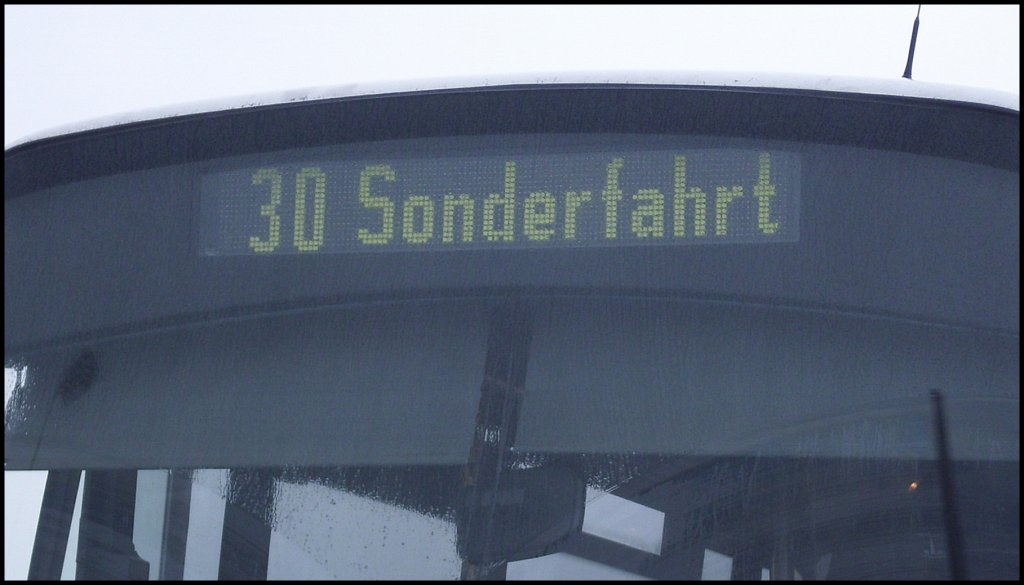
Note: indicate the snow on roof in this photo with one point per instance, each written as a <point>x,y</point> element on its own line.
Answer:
<point>897,87</point>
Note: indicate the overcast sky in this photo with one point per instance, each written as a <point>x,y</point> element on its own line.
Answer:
<point>64,65</point>
<point>69,64</point>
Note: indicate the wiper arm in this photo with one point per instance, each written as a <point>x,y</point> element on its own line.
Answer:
<point>954,537</point>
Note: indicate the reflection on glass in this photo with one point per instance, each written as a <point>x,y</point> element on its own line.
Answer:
<point>811,459</point>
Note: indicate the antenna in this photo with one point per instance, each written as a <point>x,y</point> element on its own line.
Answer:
<point>913,42</point>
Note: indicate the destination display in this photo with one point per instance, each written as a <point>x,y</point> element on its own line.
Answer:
<point>514,201</point>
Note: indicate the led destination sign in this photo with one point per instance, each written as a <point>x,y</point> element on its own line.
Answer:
<point>555,199</point>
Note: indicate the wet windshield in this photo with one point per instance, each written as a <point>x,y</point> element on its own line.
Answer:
<point>706,436</point>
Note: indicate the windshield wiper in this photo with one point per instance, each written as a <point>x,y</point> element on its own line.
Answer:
<point>954,537</point>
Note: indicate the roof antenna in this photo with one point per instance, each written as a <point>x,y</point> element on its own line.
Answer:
<point>913,42</point>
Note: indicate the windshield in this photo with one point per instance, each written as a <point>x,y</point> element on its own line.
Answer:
<point>705,433</point>
<point>735,357</point>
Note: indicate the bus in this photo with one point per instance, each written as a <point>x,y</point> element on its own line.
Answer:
<point>629,327</point>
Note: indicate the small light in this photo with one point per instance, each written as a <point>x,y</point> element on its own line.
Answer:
<point>913,486</point>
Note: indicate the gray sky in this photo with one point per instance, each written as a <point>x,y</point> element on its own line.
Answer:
<point>68,64</point>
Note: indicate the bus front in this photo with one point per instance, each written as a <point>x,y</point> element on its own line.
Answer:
<point>670,331</point>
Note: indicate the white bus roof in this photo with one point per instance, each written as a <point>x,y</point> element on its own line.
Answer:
<point>896,87</point>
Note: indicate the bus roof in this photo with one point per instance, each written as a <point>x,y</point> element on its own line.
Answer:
<point>896,87</point>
